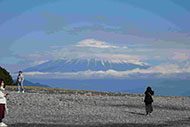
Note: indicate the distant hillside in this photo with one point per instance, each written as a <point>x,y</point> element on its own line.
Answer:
<point>29,83</point>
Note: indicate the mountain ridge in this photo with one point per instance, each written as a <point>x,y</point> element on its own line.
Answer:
<point>76,65</point>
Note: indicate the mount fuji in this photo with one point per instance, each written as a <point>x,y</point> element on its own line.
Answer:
<point>76,65</point>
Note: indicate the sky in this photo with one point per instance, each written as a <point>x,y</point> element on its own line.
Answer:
<point>153,32</point>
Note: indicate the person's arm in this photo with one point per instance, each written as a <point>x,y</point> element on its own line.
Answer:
<point>152,92</point>
<point>2,94</point>
<point>22,78</point>
<point>17,78</point>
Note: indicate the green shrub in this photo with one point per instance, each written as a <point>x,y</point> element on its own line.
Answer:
<point>4,75</point>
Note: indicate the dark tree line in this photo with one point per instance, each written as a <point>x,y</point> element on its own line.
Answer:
<point>5,76</point>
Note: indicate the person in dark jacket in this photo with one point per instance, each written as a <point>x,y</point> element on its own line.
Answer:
<point>148,100</point>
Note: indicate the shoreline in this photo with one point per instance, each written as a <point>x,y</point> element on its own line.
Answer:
<point>82,92</point>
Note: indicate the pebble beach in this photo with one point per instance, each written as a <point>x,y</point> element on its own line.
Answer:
<point>60,108</point>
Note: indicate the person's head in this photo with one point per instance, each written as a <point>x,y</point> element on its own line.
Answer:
<point>20,72</point>
<point>148,88</point>
<point>2,84</point>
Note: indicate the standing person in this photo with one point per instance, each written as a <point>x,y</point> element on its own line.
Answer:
<point>148,100</point>
<point>20,79</point>
<point>2,104</point>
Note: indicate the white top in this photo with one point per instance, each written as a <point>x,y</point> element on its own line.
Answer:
<point>20,78</point>
<point>2,98</point>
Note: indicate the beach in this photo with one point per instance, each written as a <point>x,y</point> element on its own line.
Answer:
<point>62,108</point>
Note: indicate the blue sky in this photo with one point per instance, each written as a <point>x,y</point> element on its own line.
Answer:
<point>150,31</point>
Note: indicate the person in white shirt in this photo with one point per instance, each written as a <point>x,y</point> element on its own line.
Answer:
<point>20,80</point>
<point>2,104</point>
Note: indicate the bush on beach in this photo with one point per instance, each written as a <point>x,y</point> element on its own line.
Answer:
<point>5,76</point>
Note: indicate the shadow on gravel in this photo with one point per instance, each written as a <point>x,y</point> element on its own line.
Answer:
<point>138,113</point>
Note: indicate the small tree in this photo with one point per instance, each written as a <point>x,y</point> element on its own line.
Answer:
<point>4,75</point>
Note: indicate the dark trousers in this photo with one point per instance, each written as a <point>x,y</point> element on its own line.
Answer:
<point>148,108</point>
<point>2,111</point>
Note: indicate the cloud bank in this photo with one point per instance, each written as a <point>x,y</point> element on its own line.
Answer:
<point>160,71</point>
<point>94,43</point>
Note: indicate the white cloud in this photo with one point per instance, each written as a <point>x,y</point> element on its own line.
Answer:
<point>95,44</point>
<point>36,73</point>
<point>38,62</point>
<point>181,57</point>
<point>161,71</point>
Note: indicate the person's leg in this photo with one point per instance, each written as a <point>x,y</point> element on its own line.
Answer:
<point>22,87</point>
<point>2,111</point>
<point>151,108</point>
<point>146,108</point>
<point>2,115</point>
<point>18,87</point>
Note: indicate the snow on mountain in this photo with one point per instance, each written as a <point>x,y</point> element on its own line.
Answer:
<point>76,65</point>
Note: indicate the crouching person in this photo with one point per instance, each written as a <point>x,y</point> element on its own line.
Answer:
<point>148,100</point>
<point>2,104</point>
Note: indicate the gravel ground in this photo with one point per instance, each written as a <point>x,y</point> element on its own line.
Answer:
<point>38,108</point>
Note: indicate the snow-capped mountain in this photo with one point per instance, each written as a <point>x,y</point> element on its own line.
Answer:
<point>76,65</point>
